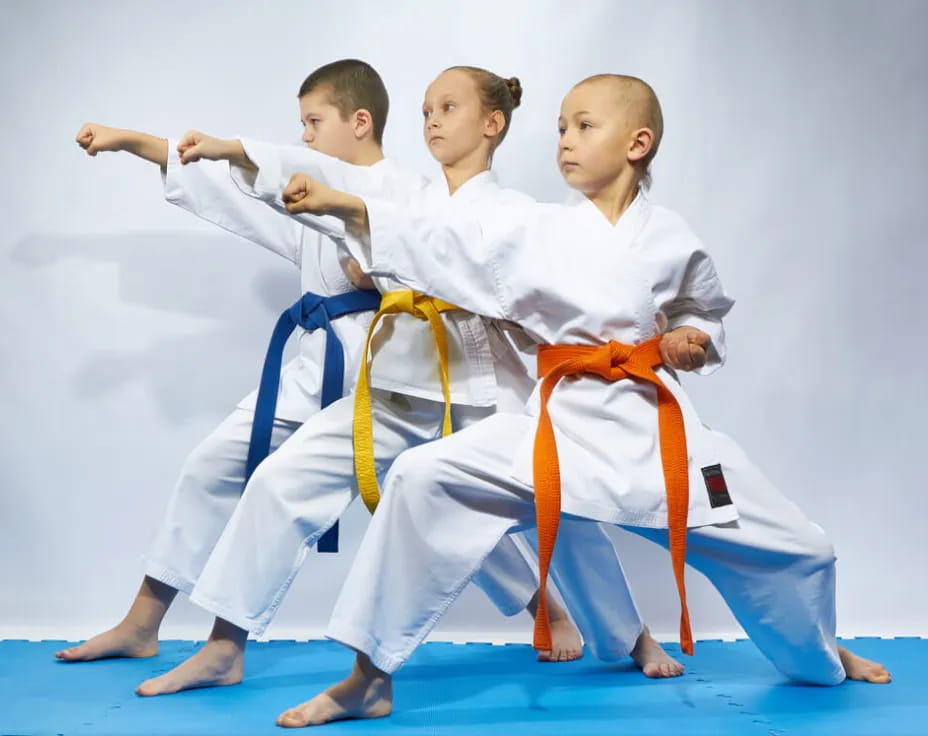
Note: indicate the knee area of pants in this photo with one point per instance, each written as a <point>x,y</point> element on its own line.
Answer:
<point>200,468</point>
<point>265,482</point>
<point>414,469</point>
<point>407,468</point>
<point>819,550</point>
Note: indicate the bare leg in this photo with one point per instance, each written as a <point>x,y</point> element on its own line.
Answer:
<point>136,635</point>
<point>565,639</point>
<point>858,668</point>
<point>366,693</point>
<point>651,658</point>
<point>219,662</point>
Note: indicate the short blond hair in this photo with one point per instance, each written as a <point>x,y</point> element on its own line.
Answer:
<point>639,101</point>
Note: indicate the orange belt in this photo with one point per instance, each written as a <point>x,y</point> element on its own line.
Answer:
<point>612,362</point>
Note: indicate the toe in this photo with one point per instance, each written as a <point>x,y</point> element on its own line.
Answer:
<point>148,688</point>
<point>292,719</point>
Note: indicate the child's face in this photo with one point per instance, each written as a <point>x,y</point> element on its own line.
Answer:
<point>455,124</point>
<point>323,127</point>
<point>594,138</point>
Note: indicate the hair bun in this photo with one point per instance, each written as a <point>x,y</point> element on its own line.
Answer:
<point>515,89</point>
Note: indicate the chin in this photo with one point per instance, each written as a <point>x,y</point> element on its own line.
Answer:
<point>576,181</point>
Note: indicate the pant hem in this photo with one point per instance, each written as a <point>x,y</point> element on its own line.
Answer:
<point>166,575</point>
<point>349,636</point>
<point>227,614</point>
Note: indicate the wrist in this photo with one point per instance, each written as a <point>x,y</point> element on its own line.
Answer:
<point>127,140</point>
<point>344,206</point>
<point>233,151</point>
<point>353,212</point>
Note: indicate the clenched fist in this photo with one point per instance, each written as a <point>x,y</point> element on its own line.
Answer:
<point>304,194</point>
<point>94,138</point>
<point>685,348</point>
<point>196,145</point>
<point>360,279</point>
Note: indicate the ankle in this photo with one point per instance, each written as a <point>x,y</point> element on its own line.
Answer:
<point>366,669</point>
<point>556,612</point>
<point>138,629</point>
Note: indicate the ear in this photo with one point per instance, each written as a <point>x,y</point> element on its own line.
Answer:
<point>363,123</point>
<point>642,141</point>
<point>495,123</point>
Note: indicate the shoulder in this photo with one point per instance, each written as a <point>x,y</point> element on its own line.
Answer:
<point>402,177</point>
<point>667,228</point>
<point>515,197</point>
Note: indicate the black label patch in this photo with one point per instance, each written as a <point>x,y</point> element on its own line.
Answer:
<point>716,486</point>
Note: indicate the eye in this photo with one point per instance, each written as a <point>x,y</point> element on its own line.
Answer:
<point>585,125</point>
<point>561,130</point>
<point>449,106</point>
<point>426,114</point>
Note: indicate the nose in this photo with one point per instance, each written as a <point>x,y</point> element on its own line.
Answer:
<point>307,135</point>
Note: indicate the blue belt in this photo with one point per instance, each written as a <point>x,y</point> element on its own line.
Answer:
<point>311,312</point>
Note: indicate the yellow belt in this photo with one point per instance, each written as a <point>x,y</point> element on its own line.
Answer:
<point>420,306</point>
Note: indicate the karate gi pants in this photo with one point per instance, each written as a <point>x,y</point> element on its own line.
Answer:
<point>447,504</point>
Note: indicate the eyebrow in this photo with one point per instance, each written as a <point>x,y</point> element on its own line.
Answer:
<point>561,118</point>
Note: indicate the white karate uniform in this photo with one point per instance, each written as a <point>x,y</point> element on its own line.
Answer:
<point>299,491</point>
<point>569,277</point>
<point>486,355</point>
<point>404,357</point>
<point>212,480</point>
<point>213,476</point>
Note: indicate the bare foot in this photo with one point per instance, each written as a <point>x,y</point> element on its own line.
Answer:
<point>123,640</point>
<point>858,668</point>
<point>365,693</point>
<point>651,658</point>
<point>565,639</point>
<point>565,642</point>
<point>219,662</point>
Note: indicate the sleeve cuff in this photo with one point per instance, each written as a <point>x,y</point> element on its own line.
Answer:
<point>374,253</point>
<point>171,176</point>
<point>716,332</point>
<point>266,184</point>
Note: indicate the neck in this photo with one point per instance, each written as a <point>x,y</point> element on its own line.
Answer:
<point>367,154</point>
<point>616,197</point>
<point>461,171</point>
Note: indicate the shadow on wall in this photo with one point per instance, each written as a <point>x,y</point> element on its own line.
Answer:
<point>234,297</point>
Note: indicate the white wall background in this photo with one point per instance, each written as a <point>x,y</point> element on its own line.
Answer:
<point>795,146</point>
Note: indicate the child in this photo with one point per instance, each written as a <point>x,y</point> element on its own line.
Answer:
<point>343,107</point>
<point>471,108</point>
<point>630,444</point>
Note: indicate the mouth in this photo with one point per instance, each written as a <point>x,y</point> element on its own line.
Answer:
<point>569,165</point>
<point>435,139</point>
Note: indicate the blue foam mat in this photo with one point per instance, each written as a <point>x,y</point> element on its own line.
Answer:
<point>729,688</point>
